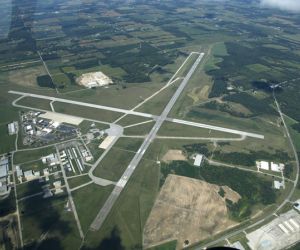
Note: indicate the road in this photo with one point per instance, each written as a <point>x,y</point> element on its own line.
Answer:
<point>104,211</point>
<point>71,201</point>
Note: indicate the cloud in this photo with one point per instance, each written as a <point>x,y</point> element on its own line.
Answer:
<point>289,5</point>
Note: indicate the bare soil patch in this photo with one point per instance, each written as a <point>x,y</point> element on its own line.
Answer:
<point>187,210</point>
<point>174,155</point>
<point>26,76</point>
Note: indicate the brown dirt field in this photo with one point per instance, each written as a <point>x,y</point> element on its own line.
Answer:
<point>187,209</point>
<point>26,76</point>
<point>230,194</point>
<point>174,155</point>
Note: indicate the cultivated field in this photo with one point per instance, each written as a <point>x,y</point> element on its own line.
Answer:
<point>188,210</point>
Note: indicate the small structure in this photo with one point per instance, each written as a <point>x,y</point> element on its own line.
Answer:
<point>51,160</point>
<point>19,173</point>
<point>107,142</point>
<point>198,160</point>
<point>29,175</point>
<point>12,128</point>
<point>262,165</point>
<point>278,184</point>
<point>277,167</point>
<point>57,186</point>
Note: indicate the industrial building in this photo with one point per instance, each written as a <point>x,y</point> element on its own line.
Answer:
<point>264,165</point>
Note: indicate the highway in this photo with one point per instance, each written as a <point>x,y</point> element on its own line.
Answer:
<point>104,211</point>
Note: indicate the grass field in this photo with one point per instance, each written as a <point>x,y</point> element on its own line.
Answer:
<point>116,96</point>
<point>79,180</point>
<point>118,158</point>
<point>7,142</point>
<point>88,201</point>
<point>294,134</point>
<point>131,119</point>
<point>114,164</point>
<point>35,103</point>
<point>142,129</point>
<point>157,104</point>
<point>85,126</point>
<point>86,112</point>
<point>32,155</point>
<point>166,246</point>
<point>58,224</point>
<point>94,148</point>
<point>125,223</point>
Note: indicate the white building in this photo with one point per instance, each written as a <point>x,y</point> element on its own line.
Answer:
<point>12,128</point>
<point>277,167</point>
<point>51,159</point>
<point>278,184</point>
<point>198,160</point>
<point>262,165</point>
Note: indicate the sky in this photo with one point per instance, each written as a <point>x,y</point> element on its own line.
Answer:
<point>290,5</point>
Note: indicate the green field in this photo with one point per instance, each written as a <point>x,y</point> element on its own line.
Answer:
<point>114,164</point>
<point>86,112</point>
<point>35,103</point>
<point>157,104</point>
<point>294,134</point>
<point>40,216</point>
<point>125,223</point>
<point>88,202</point>
<point>142,129</point>
<point>7,141</point>
<point>131,119</point>
<point>85,126</point>
<point>79,180</point>
<point>32,155</point>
